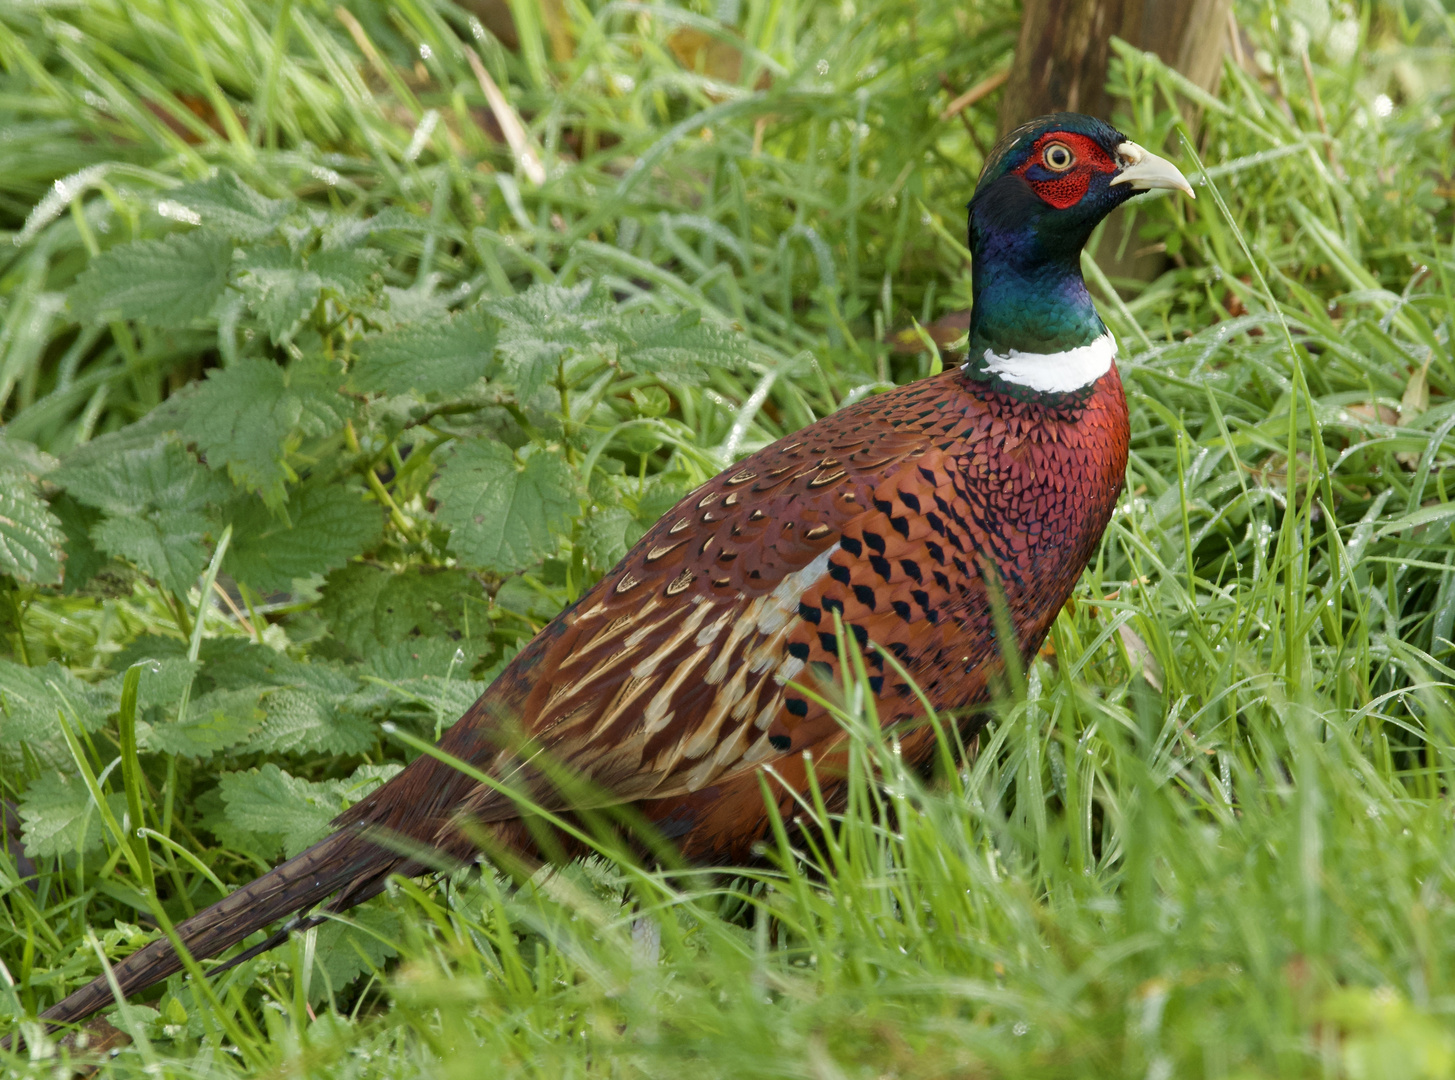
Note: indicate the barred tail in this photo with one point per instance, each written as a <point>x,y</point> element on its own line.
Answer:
<point>302,881</point>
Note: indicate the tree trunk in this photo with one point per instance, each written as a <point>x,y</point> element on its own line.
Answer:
<point>1061,62</point>
<point>1061,57</point>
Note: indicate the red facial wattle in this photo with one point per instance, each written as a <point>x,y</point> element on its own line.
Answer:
<point>1067,187</point>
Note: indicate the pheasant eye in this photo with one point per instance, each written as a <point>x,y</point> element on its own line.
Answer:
<point>1058,156</point>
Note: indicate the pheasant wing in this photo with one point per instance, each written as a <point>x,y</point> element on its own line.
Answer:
<point>676,670</point>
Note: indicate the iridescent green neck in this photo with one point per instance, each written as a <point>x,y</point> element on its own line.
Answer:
<point>1033,305</point>
<point>1027,284</point>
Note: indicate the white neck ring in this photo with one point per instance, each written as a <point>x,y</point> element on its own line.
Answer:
<point>1055,373</point>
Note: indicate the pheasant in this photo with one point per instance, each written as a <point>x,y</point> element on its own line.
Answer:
<point>894,523</point>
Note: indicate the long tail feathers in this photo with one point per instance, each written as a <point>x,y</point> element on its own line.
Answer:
<point>325,868</point>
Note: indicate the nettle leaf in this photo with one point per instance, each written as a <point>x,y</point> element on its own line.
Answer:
<point>24,458</point>
<point>31,538</point>
<point>606,535</point>
<point>321,527</point>
<point>157,426</point>
<point>153,497</point>
<point>340,231</point>
<point>280,289</point>
<point>544,323</point>
<point>323,709</point>
<point>165,544</point>
<point>249,416</point>
<point>683,346</point>
<point>421,305</point>
<point>502,516</point>
<point>227,205</point>
<point>31,697</point>
<point>418,658</point>
<point>444,357</point>
<point>160,683</point>
<point>310,721</point>
<point>214,722</point>
<point>268,802</point>
<point>349,274</point>
<point>83,557</point>
<point>59,818</point>
<point>446,699</point>
<point>239,664</point>
<point>168,283</point>
<point>344,952</point>
<point>282,286</point>
<point>159,474</point>
<point>367,606</point>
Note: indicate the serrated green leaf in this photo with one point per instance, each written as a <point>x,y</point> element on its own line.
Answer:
<point>683,346</point>
<point>326,525</point>
<point>280,290</point>
<point>215,722</point>
<point>546,322</point>
<point>351,274</point>
<point>249,416</point>
<point>270,802</point>
<point>543,324</point>
<point>309,721</point>
<point>158,475</point>
<point>153,499</point>
<point>605,535</point>
<point>227,205</point>
<point>150,646</point>
<point>322,409</point>
<point>448,698</point>
<point>160,683</point>
<point>23,458</point>
<point>59,818</point>
<point>418,658</point>
<point>157,426</point>
<point>168,283</point>
<point>344,952</point>
<point>662,492</point>
<point>164,544</point>
<point>420,306</point>
<point>31,538</point>
<point>429,358</point>
<point>501,517</point>
<point>347,232</point>
<point>30,698</point>
<point>83,557</point>
<point>239,664</point>
<point>366,606</point>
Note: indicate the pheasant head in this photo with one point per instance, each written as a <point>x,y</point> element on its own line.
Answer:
<point>1033,329</point>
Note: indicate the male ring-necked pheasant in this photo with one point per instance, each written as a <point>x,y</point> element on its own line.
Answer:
<point>671,681</point>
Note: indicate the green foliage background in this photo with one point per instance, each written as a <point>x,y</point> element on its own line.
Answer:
<point>321,396</point>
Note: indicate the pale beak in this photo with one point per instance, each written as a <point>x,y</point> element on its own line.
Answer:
<point>1144,170</point>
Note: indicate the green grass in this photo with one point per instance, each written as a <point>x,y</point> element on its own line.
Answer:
<point>1240,867</point>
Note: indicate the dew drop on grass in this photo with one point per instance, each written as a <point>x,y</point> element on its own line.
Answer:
<point>822,67</point>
